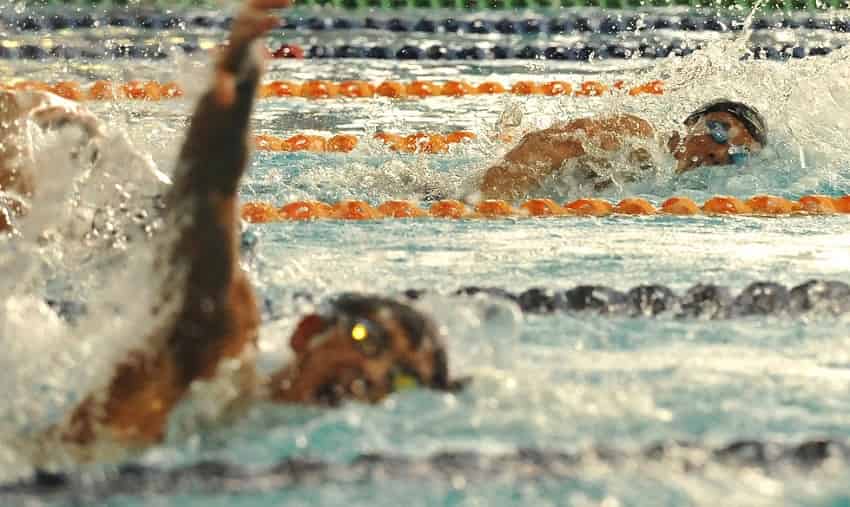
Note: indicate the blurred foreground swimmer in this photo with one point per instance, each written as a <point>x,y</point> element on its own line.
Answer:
<point>206,316</point>
<point>722,132</point>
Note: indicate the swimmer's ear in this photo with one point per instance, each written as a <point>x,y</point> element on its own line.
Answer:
<point>309,326</point>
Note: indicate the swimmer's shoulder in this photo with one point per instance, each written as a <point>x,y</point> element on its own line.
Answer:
<point>625,124</point>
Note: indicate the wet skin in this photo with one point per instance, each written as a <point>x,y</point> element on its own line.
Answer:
<point>542,153</point>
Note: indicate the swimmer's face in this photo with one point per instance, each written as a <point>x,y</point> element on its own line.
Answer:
<point>717,138</point>
<point>364,351</point>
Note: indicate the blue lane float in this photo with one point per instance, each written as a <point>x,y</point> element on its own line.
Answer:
<point>605,24</point>
<point>577,53</point>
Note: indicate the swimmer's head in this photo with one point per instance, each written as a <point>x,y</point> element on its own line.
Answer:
<point>721,132</point>
<point>364,348</point>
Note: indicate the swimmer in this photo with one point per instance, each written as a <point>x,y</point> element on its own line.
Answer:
<point>356,347</point>
<point>721,132</point>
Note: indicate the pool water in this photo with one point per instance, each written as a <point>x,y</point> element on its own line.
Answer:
<point>561,382</point>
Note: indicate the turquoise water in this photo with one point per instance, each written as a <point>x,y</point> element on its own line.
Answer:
<point>559,382</point>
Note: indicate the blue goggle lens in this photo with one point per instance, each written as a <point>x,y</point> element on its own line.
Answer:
<point>718,131</point>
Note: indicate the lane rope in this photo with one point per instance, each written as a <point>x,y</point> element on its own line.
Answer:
<point>578,52</point>
<point>757,206</point>
<point>322,89</point>
<point>481,5</point>
<point>561,25</point>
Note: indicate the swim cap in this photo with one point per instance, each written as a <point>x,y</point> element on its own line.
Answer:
<point>749,116</point>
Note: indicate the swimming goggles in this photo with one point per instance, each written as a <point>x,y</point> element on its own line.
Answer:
<point>719,132</point>
<point>369,337</point>
<point>372,340</point>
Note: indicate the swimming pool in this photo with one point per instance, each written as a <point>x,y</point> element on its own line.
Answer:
<point>566,382</point>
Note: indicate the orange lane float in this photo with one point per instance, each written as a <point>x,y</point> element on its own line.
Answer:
<point>401,209</point>
<point>680,206</point>
<point>394,141</point>
<point>303,142</point>
<point>265,142</point>
<point>171,90</point>
<point>725,205</point>
<point>456,89</point>
<point>305,210</point>
<point>494,208</point>
<point>422,89</point>
<point>342,143</point>
<point>391,89</point>
<point>448,208</point>
<point>319,89</point>
<point>280,89</point>
<point>525,88</point>
<point>589,207</point>
<point>324,89</point>
<point>258,212</point>
<point>141,90</point>
<point>101,90</point>
<point>459,136</point>
<point>842,204</point>
<point>591,89</point>
<point>542,208</point>
<point>818,204</point>
<point>651,88</point>
<point>553,88</point>
<point>490,88</point>
<point>634,206</point>
<point>355,210</point>
<point>69,90</point>
<point>422,142</point>
<point>425,143</point>
<point>771,205</point>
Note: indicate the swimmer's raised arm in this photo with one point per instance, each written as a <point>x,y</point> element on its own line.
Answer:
<point>214,315</point>
<point>542,153</point>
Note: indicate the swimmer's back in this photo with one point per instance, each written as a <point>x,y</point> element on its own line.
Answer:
<point>542,153</point>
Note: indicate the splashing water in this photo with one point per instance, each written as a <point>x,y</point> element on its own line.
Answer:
<point>558,383</point>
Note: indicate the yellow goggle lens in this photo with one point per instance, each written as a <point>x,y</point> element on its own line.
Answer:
<point>359,332</point>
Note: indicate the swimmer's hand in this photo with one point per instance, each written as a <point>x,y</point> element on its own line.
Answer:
<point>250,24</point>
